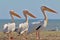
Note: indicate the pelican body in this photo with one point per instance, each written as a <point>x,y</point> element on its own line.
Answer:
<point>23,27</point>
<point>10,27</point>
<point>38,26</point>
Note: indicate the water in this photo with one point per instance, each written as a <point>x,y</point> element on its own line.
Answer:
<point>52,24</point>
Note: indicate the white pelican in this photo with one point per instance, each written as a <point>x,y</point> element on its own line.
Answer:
<point>10,27</point>
<point>23,27</point>
<point>37,26</point>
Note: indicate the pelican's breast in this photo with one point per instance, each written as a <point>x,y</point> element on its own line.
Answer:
<point>23,27</point>
<point>11,26</point>
<point>45,23</point>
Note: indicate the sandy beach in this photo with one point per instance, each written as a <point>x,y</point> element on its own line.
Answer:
<point>44,35</point>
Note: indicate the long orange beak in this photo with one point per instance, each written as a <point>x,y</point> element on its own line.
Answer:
<point>14,13</point>
<point>44,8</point>
<point>26,12</point>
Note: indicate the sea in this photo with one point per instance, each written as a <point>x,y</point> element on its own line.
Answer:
<point>53,24</point>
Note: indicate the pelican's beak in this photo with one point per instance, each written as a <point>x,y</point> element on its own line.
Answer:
<point>44,8</point>
<point>26,12</point>
<point>14,13</point>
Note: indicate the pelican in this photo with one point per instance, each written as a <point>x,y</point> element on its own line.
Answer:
<point>23,27</point>
<point>10,27</point>
<point>38,26</point>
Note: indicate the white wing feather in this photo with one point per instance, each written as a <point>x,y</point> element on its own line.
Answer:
<point>23,27</point>
<point>32,27</point>
<point>9,27</point>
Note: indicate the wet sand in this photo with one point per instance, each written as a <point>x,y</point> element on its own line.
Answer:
<point>44,35</point>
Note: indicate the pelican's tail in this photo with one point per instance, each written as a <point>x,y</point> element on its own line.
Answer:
<point>15,29</point>
<point>44,8</point>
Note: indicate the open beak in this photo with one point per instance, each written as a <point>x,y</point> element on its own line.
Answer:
<point>44,8</point>
<point>14,14</point>
<point>26,12</point>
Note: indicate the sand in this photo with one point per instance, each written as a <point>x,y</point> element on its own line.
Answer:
<point>44,35</point>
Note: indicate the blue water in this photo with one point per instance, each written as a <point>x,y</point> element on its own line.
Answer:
<point>52,24</point>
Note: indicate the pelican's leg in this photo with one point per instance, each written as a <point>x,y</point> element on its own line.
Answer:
<point>37,35</point>
<point>24,37</point>
<point>8,35</point>
<point>11,36</point>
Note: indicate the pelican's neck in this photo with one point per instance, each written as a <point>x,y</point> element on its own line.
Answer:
<point>45,17</point>
<point>26,18</point>
<point>12,18</point>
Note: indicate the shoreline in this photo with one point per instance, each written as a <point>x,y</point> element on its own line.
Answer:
<point>45,35</point>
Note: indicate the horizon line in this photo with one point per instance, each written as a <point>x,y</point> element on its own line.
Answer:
<point>37,18</point>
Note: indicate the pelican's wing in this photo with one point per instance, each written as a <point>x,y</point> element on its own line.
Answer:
<point>34,26</point>
<point>14,14</point>
<point>26,12</point>
<point>11,27</point>
<point>23,27</point>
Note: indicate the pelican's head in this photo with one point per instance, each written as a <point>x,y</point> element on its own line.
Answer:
<point>44,8</point>
<point>12,12</point>
<point>26,12</point>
